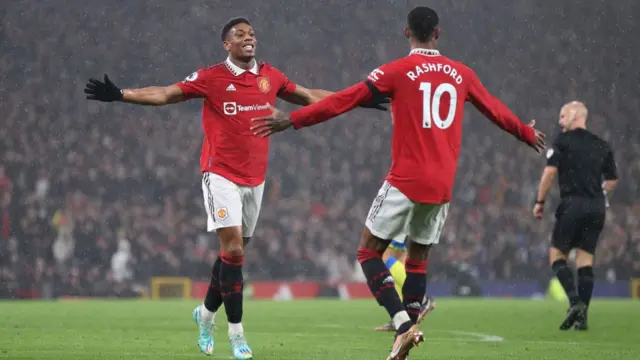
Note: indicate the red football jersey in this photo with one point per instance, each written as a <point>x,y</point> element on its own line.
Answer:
<point>232,97</point>
<point>428,92</point>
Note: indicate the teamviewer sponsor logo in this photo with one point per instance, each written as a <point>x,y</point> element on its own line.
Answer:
<point>232,108</point>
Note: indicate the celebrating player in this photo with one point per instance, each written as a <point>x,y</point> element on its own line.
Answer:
<point>582,160</point>
<point>233,162</point>
<point>428,92</point>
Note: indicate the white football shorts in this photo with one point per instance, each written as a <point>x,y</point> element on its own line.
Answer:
<point>229,205</point>
<point>393,215</point>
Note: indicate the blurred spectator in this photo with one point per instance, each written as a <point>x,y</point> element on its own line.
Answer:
<point>63,246</point>
<point>121,262</point>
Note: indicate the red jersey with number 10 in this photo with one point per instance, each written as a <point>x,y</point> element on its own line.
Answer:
<point>428,92</point>
<point>232,97</point>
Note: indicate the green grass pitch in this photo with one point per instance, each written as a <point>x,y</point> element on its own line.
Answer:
<point>319,329</point>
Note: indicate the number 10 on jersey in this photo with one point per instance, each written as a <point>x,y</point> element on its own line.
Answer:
<point>431,105</point>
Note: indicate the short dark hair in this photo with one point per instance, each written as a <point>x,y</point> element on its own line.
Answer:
<point>230,24</point>
<point>422,22</point>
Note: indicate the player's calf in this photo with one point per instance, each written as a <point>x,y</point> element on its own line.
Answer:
<point>232,286</point>
<point>380,281</point>
<point>213,299</point>
<point>415,286</point>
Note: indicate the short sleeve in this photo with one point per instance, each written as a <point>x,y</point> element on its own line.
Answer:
<point>610,171</point>
<point>382,79</point>
<point>284,85</point>
<point>554,153</point>
<point>195,85</point>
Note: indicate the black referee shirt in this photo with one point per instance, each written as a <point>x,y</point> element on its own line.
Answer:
<point>583,161</point>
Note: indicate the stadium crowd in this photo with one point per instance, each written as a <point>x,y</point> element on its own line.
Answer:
<point>94,197</point>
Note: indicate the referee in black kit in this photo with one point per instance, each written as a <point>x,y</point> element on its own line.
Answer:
<point>583,161</point>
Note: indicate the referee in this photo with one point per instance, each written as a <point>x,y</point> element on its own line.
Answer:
<point>582,161</point>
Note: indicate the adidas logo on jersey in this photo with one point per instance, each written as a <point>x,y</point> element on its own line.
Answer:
<point>231,87</point>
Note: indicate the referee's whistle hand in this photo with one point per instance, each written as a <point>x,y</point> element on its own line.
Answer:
<point>539,146</point>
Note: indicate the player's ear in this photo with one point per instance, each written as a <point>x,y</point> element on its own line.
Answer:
<point>227,45</point>
<point>407,34</point>
<point>436,34</point>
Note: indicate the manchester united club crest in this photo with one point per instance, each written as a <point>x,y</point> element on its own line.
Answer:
<point>222,213</point>
<point>263,84</point>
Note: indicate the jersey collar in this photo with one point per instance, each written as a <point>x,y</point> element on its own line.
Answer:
<point>237,71</point>
<point>425,52</point>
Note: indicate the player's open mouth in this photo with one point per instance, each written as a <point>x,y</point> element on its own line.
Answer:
<point>248,47</point>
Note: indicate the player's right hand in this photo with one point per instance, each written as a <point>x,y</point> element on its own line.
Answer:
<point>271,124</point>
<point>539,146</point>
<point>102,91</point>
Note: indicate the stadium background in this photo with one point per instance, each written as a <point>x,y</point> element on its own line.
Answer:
<point>97,200</point>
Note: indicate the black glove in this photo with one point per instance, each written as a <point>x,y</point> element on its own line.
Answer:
<point>102,91</point>
<point>377,103</point>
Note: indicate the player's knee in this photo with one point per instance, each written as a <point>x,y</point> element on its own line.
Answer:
<point>371,242</point>
<point>231,242</point>
<point>234,249</point>
<point>583,258</point>
<point>417,252</point>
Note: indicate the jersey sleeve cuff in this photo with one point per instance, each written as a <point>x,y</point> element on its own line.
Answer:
<point>290,88</point>
<point>186,91</point>
<point>296,119</point>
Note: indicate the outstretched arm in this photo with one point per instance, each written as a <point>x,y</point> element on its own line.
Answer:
<point>332,106</point>
<point>304,96</point>
<point>107,91</point>
<point>153,95</point>
<point>316,113</point>
<point>500,115</point>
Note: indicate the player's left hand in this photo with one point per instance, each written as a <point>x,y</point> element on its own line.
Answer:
<point>103,91</point>
<point>538,210</point>
<point>265,126</point>
<point>539,146</point>
<point>377,103</point>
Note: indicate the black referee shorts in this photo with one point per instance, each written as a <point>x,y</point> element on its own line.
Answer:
<point>579,222</point>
